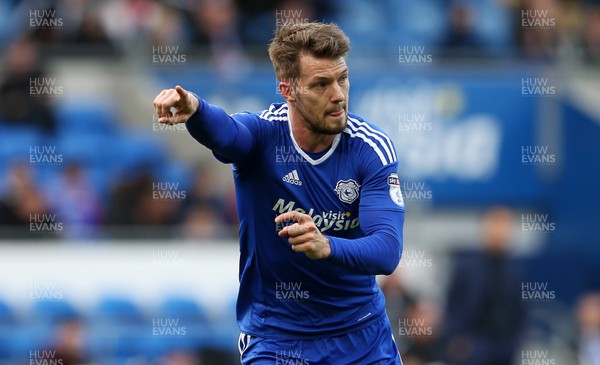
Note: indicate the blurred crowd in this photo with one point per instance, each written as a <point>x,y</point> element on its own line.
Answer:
<point>70,206</point>
<point>32,31</point>
<point>230,29</point>
<point>484,318</point>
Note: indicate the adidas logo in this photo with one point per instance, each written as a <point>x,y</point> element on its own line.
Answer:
<point>292,178</point>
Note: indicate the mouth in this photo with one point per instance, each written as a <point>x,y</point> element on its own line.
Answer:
<point>336,113</point>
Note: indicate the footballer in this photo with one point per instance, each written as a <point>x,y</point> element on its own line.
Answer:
<point>316,225</point>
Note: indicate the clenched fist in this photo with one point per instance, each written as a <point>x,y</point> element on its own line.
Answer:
<point>184,103</point>
<point>304,235</point>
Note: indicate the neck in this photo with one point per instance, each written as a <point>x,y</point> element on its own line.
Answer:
<point>306,138</point>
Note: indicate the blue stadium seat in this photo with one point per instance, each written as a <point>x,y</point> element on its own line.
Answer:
<point>6,313</point>
<point>134,151</point>
<point>51,311</point>
<point>191,318</point>
<point>175,171</point>
<point>16,141</point>
<point>156,347</point>
<point>86,118</point>
<point>87,149</point>
<point>183,307</point>
<point>7,328</point>
<point>117,309</point>
<point>224,330</point>
<point>25,338</point>
<point>117,329</point>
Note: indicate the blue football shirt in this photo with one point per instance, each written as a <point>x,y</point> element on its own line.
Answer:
<point>351,191</point>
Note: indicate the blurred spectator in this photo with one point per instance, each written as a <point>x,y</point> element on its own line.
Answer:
<point>423,335</point>
<point>90,30</point>
<point>202,223</point>
<point>124,197</point>
<point>180,358</point>
<point>538,28</point>
<point>69,342</point>
<point>397,301</point>
<point>24,93</point>
<point>140,201</point>
<point>77,203</point>
<point>484,312</point>
<point>124,20</point>
<point>591,35</point>
<point>42,21</point>
<point>168,27</point>
<point>461,40</point>
<point>207,193</point>
<point>258,18</point>
<point>215,25</point>
<point>231,215</point>
<point>22,202</point>
<point>588,319</point>
<point>209,211</point>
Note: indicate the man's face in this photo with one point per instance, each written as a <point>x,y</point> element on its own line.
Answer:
<point>321,93</point>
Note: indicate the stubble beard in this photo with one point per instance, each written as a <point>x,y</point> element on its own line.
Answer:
<point>319,126</point>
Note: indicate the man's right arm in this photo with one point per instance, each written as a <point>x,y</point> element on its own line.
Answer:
<point>208,124</point>
<point>215,129</point>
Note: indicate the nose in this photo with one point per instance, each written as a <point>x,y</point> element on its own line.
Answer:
<point>337,96</point>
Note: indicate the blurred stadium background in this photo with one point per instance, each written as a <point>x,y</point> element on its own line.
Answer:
<point>118,234</point>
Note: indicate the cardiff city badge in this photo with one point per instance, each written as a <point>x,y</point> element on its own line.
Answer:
<point>347,190</point>
<point>395,192</point>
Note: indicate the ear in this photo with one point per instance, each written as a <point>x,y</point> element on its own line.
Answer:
<point>287,90</point>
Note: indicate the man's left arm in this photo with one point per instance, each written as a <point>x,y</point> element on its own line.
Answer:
<point>381,218</point>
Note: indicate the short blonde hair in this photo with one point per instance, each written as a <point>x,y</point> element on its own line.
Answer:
<point>317,39</point>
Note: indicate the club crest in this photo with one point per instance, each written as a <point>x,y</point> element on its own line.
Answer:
<point>347,190</point>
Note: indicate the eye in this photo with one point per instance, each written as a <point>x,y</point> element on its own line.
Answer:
<point>343,78</point>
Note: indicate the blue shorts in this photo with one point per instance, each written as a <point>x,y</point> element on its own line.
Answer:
<point>373,344</point>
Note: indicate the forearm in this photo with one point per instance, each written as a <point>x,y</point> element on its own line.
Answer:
<point>215,129</point>
<point>376,254</point>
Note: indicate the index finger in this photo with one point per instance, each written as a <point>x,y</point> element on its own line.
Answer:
<point>291,216</point>
<point>182,93</point>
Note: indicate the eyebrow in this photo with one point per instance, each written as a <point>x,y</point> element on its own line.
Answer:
<point>321,78</point>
